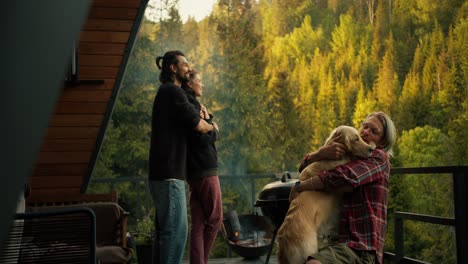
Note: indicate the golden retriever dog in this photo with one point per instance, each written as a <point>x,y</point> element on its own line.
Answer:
<point>314,212</point>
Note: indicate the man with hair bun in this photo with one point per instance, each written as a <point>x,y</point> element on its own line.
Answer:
<point>173,118</point>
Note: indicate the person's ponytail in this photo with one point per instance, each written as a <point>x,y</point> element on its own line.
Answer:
<point>158,61</point>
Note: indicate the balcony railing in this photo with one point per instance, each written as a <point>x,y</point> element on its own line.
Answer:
<point>460,194</point>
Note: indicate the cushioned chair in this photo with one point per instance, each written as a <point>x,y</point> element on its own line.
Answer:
<point>111,223</point>
<point>65,235</point>
<point>111,230</point>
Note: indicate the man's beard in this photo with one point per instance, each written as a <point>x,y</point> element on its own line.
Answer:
<point>182,77</point>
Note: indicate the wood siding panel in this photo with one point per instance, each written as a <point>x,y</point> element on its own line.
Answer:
<point>87,72</point>
<point>44,192</point>
<point>89,95</point>
<point>108,25</point>
<point>76,121</point>
<point>80,108</point>
<point>64,157</point>
<point>116,3</point>
<point>100,60</point>
<point>50,145</point>
<point>60,169</point>
<point>72,133</point>
<point>113,13</point>
<point>102,48</point>
<point>104,37</point>
<point>64,161</point>
<point>108,85</point>
<point>56,182</point>
<point>60,200</point>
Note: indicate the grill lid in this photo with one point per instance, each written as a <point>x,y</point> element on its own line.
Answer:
<point>277,191</point>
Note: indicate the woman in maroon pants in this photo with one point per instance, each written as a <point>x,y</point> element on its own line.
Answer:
<point>202,177</point>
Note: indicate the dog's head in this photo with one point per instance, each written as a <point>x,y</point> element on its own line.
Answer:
<point>349,136</point>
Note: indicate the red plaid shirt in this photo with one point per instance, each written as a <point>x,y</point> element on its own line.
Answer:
<point>363,220</point>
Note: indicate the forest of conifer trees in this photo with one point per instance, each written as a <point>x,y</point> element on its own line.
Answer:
<point>279,75</point>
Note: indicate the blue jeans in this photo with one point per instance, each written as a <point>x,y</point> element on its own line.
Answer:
<point>170,221</point>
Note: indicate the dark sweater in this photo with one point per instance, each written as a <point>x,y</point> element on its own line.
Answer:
<point>202,157</point>
<point>172,119</point>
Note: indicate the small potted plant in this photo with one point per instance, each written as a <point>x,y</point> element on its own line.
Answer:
<point>144,239</point>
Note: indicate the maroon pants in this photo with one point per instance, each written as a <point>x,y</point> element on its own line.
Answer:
<point>206,210</point>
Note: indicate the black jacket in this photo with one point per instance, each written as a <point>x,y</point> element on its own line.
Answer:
<point>174,117</point>
<point>202,157</point>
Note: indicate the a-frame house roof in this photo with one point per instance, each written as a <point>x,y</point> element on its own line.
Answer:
<point>78,124</point>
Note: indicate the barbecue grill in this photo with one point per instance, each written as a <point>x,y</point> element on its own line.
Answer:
<point>249,235</point>
<point>273,201</point>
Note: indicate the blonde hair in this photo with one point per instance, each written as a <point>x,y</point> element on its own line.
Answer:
<point>389,130</point>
